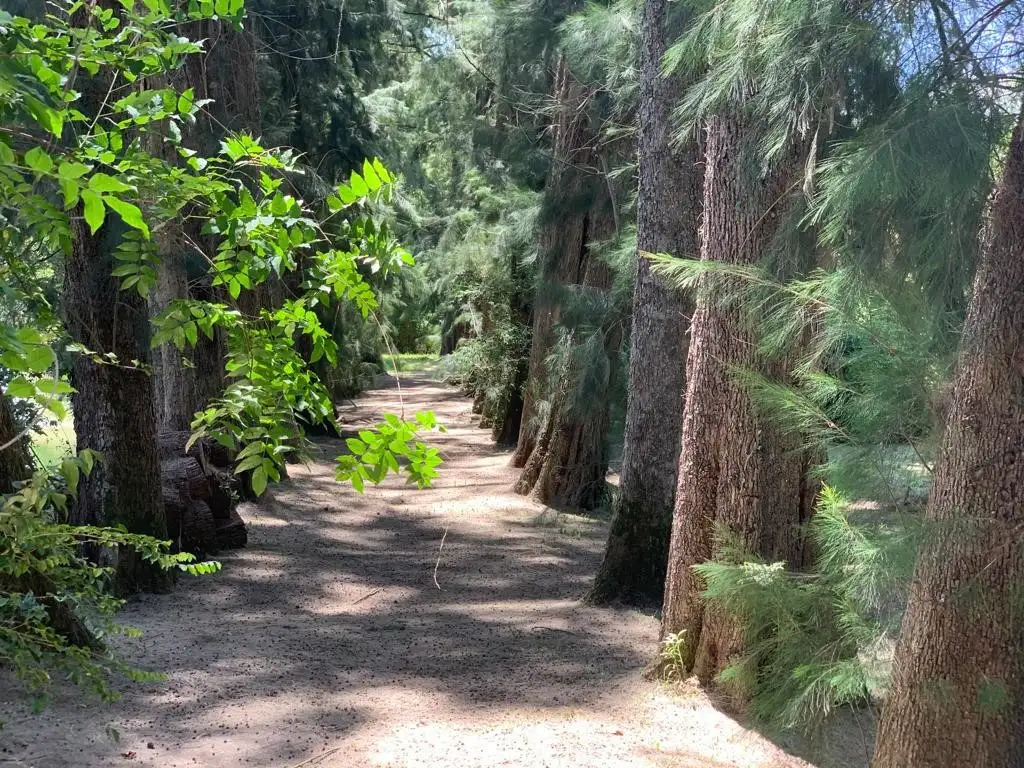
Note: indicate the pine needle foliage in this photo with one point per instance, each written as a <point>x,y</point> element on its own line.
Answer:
<point>816,640</point>
<point>481,271</point>
<point>589,319</point>
<point>868,386</point>
<point>785,61</point>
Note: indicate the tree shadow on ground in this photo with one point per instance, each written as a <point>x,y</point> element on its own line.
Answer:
<point>349,613</point>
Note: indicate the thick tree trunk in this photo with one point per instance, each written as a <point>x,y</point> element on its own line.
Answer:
<point>958,688</point>
<point>184,382</point>
<point>562,239</point>
<point>506,431</point>
<point>15,461</point>
<point>737,471</point>
<point>113,402</point>
<point>637,552</point>
<point>571,464</point>
<point>174,381</point>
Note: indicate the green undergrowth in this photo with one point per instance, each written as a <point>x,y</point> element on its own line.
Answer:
<point>817,639</point>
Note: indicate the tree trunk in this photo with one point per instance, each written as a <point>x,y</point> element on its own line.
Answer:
<point>737,471</point>
<point>561,241</point>
<point>184,382</point>
<point>506,431</point>
<point>15,461</point>
<point>637,552</point>
<point>174,381</point>
<point>113,404</point>
<point>957,693</point>
<point>571,464</point>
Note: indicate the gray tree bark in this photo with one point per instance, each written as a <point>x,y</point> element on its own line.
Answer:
<point>668,217</point>
<point>113,404</point>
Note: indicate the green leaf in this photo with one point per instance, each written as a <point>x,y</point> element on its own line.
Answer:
<point>102,182</point>
<point>88,458</point>
<point>357,446</point>
<point>382,171</point>
<point>69,468</point>
<point>38,358</point>
<point>249,462</point>
<point>130,214</point>
<point>359,186</point>
<point>250,449</point>
<point>54,387</point>
<point>38,160</point>
<point>68,170</point>
<point>21,387</point>
<point>47,117</point>
<point>259,481</point>
<point>186,101</point>
<point>93,209</point>
<point>346,194</point>
<point>370,176</point>
<point>70,189</point>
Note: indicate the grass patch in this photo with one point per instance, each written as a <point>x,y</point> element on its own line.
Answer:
<point>410,363</point>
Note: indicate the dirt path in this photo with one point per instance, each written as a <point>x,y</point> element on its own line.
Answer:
<point>327,640</point>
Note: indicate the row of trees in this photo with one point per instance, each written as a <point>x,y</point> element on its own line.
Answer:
<point>839,187</point>
<point>170,272</point>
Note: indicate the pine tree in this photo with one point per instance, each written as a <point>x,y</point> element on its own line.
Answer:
<point>737,470</point>
<point>958,690</point>
<point>561,240</point>
<point>635,559</point>
<point>576,332</point>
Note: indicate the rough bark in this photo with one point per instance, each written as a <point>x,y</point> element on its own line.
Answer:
<point>506,430</point>
<point>15,461</point>
<point>957,694</point>
<point>668,214</point>
<point>737,471</point>
<point>199,491</point>
<point>174,381</point>
<point>561,239</point>
<point>184,381</point>
<point>113,404</point>
<point>573,461</point>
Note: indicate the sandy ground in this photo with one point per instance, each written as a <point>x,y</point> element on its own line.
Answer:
<point>328,643</point>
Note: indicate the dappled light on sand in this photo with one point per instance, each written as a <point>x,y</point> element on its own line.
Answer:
<point>328,639</point>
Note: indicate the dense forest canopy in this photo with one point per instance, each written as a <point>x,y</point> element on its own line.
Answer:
<point>745,276</point>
